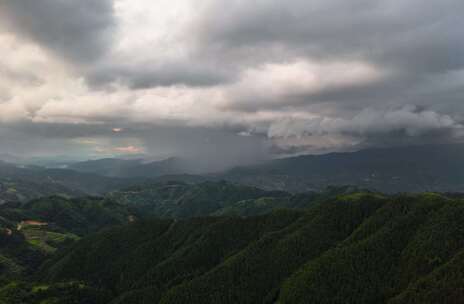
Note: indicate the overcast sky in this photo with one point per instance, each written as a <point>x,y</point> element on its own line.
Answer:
<point>236,80</point>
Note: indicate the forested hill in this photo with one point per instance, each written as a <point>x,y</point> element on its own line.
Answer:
<point>402,169</point>
<point>32,231</point>
<point>182,200</point>
<point>356,248</point>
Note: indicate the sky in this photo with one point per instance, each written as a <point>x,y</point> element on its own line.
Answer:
<point>230,82</point>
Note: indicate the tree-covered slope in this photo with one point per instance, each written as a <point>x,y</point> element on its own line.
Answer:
<point>182,200</point>
<point>402,242</point>
<point>174,199</point>
<point>150,257</point>
<point>77,215</point>
<point>31,232</point>
<point>357,248</point>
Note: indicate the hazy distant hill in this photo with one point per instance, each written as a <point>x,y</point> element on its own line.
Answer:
<point>21,191</point>
<point>37,181</point>
<point>9,158</point>
<point>114,167</point>
<point>403,169</point>
<point>106,166</point>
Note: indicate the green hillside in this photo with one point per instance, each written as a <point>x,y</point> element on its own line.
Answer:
<point>182,200</point>
<point>79,215</point>
<point>32,232</point>
<point>244,245</point>
<point>174,199</point>
<point>357,248</point>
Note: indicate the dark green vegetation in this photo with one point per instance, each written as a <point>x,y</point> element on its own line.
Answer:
<point>181,200</point>
<point>185,200</point>
<point>80,216</point>
<point>353,248</point>
<point>217,242</point>
<point>31,232</point>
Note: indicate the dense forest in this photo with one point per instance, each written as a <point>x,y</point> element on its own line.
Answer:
<point>241,245</point>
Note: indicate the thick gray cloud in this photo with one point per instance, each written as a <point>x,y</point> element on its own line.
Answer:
<point>423,35</point>
<point>153,74</point>
<point>79,31</point>
<point>409,120</point>
<point>243,78</point>
<point>411,39</point>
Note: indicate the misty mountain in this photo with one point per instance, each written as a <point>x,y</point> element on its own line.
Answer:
<point>106,166</point>
<point>22,191</point>
<point>401,169</point>
<point>47,181</point>
<point>129,168</point>
<point>9,158</point>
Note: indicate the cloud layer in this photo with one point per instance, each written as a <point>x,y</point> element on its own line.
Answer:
<point>80,31</point>
<point>273,77</point>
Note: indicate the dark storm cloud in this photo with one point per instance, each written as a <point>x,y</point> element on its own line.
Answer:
<point>152,74</point>
<point>412,40</point>
<point>423,35</point>
<point>60,130</point>
<point>79,31</point>
<point>83,31</point>
<point>409,90</point>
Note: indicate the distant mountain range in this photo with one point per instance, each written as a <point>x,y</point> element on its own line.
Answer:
<point>402,169</point>
<point>114,167</point>
<point>22,183</point>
